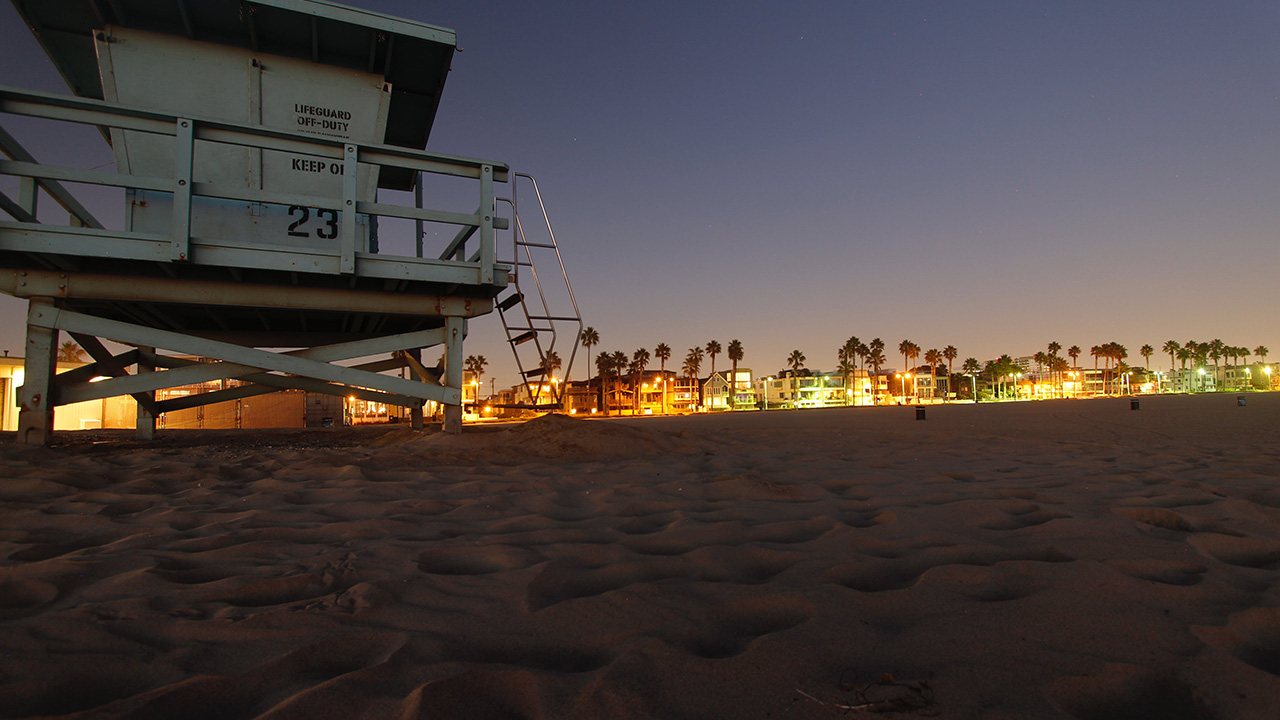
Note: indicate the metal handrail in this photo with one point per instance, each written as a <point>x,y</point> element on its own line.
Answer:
<point>530,326</point>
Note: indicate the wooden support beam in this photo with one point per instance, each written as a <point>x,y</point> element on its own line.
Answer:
<point>35,401</point>
<point>455,331</point>
<point>145,427</point>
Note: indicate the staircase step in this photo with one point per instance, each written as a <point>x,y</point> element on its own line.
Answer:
<point>535,372</point>
<point>523,337</point>
<point>511,301</point>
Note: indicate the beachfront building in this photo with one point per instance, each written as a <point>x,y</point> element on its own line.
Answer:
<point>654,392</point>
<point>657,388</point>
<point>716,392</point>
<point>1190,380</point>
<point>812,389</point>
<point>684,394</point>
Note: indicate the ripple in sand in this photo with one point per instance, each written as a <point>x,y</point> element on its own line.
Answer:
<point>1252,636</point>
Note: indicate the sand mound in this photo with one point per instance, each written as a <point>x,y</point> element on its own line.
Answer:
<point>558,436</point>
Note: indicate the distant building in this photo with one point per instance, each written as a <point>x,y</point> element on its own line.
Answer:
<point>716,392</point>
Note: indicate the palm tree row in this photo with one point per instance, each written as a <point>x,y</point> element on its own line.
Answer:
<point>613,365</point>
<point>1199,353</point>
<point>854,355</point>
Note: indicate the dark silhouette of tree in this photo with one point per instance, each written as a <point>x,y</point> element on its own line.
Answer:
<point>70,352</point>
<point>735,357</point>
<point>663,354</point>
<point>796,361</point>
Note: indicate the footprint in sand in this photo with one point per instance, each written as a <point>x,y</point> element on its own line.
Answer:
<point>1242,551</point>
<point>732,628</point>
<point>1126,691</point>
<point>563,580</point>
<point>476,560</point>
<point>1169,572</point>
<point>1156,517</point>
<point>25,594</point>
<point>1252,636</point>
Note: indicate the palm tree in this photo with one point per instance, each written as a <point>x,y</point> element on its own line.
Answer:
<point>796,361</point>
<point>639,361</point>
<point>693,366</point>
<point>604,369</point>
<point>994,368</point>
<point>910,351</point>
<point>1054,347</point>
<point>950,353</point>
<point>588,339</point>
<point>1171,347</point>
<point>876,359</point>
<point>70,352</point>
<point>663,353</point>
<point>849,351</point>
<point>1122,374</point>
<point>620,362</point>
<point>550,364</point>
<point>971,367</point>
<point>845,364</point>
<point>904,349</point>
<point>476,364</point>
<point>1215,351</point>
<point>1146,352</point>
<point>1074,352</point>
<point>1261,351</point>
<point>846,369</point>
<point>713,349</point>
<point>735,356</point>
<point>933,357</point>
<point>1117,353</point>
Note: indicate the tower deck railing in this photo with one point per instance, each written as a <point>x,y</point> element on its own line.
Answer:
<point>467,260</point>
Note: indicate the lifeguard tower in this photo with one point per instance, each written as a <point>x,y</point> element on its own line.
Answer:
<point>252,139</point>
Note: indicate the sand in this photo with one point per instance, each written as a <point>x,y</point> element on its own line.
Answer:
<point>1064,559</point>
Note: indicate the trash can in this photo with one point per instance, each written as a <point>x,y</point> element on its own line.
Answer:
<point>920,412</point>
<point>1133,403</point>
<point>1241,401</point>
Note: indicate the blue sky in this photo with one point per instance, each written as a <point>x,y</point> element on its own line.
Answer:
<point>990,175</point>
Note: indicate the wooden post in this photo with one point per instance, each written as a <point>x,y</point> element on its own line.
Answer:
<point>454,331</point>
<point>35,397</point>
<point>145,428</point>
<point>415,412</point>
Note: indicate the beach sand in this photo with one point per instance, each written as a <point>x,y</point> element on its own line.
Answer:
<point>1062,559</point>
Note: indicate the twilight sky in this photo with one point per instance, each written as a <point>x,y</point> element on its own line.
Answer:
<point>991,175</point>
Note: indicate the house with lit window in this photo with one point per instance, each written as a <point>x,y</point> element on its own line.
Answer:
<point>806,388</point>
<point>717,395</point>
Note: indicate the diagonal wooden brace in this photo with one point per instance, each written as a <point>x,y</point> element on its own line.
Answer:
<point>110,365</point>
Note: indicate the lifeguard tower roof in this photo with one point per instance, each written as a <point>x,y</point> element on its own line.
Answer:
<point>413,57</point>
